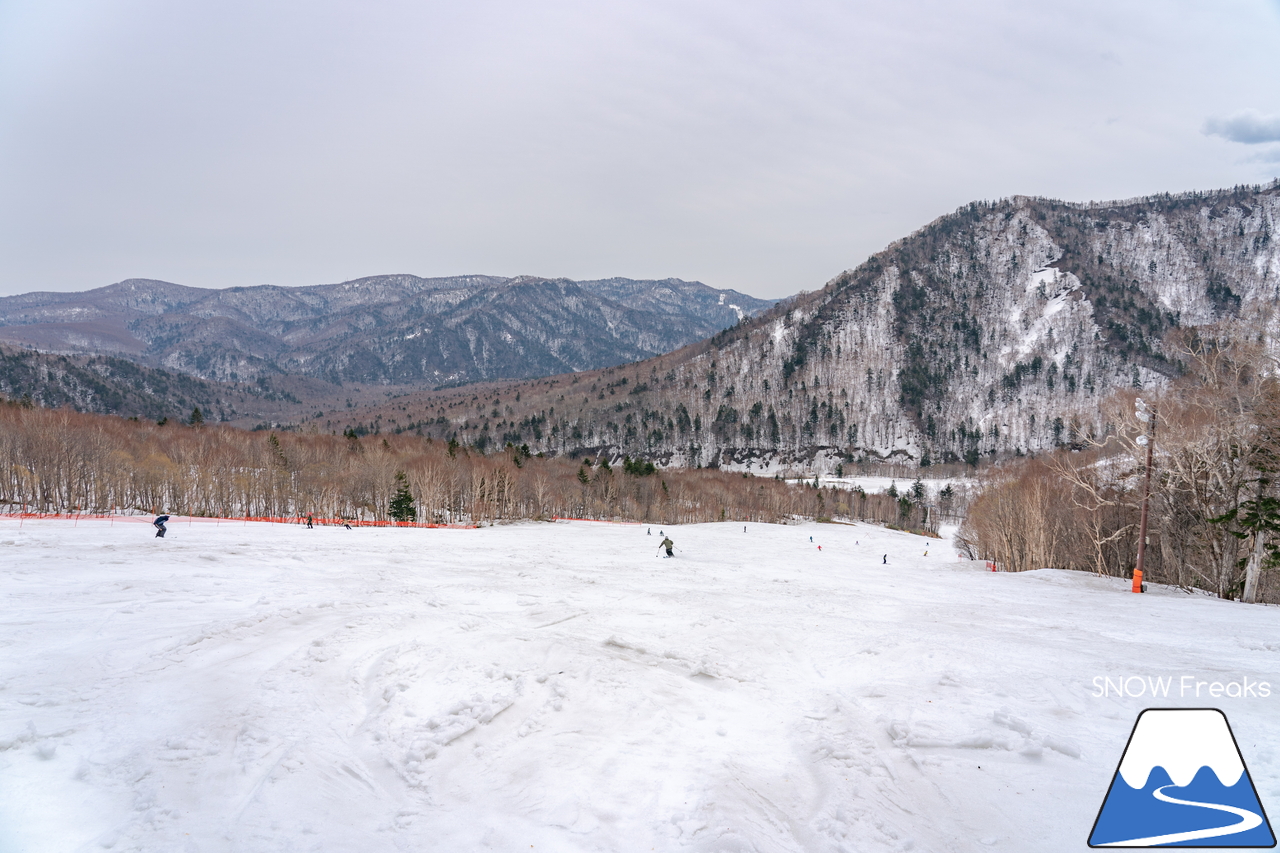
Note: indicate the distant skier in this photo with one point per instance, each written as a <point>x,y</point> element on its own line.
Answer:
<point>884,560</point>
<point>650,533</point>
<point>309,521</point>
<point>744,528</point>
<point>668,544</point>
<point>159,525</point>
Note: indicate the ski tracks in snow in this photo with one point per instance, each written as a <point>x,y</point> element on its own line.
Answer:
<point>275,689</point>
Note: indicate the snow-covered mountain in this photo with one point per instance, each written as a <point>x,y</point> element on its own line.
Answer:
<point>397,329</point>
<point>997,328</point>
<point>1001,326</point>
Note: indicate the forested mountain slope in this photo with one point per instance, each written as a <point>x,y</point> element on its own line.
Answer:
<point>392,330</point>
<point>996,329</point>
<point>117,386</point>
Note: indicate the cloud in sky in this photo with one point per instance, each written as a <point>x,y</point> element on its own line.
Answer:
<point>756,144</point>
<point>1250,127</point>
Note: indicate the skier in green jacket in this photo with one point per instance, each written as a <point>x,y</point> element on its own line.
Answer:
<point>668,544</point>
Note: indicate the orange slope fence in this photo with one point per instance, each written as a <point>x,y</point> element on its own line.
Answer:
<point>76,517</point>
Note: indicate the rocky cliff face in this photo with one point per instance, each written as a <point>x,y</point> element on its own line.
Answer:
<point>384,329</point>
<point>996,329</point>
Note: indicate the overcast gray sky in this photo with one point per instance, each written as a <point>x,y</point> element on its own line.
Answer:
<point>764,146</point>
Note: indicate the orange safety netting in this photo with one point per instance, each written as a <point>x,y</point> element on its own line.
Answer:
<point>189,519</point>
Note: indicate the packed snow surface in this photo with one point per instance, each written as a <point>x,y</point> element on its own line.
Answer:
<point>559,687</point>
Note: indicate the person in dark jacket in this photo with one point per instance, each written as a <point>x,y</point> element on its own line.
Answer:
<point>159,525</point>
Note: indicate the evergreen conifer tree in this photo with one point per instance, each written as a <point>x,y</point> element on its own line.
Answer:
<point>402,508</point>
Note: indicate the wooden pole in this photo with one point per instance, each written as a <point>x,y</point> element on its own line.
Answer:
<point>1146,497</point>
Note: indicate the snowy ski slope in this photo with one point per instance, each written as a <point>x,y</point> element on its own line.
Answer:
<point>558,687</point>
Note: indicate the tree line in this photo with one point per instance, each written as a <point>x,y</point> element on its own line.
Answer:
<point>61,460</point>
<point>1215,482</point>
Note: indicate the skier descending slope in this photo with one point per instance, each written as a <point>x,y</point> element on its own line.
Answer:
<point>159,525</point>
<point>668,544</point>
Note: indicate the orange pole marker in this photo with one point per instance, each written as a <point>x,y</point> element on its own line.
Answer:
<point>1137,580</point>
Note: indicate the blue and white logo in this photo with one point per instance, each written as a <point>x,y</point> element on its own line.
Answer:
<point>1182,783</point>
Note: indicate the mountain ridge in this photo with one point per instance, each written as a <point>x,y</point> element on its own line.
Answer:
<point>996,329</point>
<point>393,329</point>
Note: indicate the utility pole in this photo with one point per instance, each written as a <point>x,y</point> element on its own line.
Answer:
<point>1148,440</point>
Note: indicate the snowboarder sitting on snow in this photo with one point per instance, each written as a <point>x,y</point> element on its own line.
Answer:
<point>159,525</point>
<point>668,544</point>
